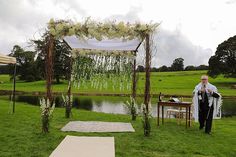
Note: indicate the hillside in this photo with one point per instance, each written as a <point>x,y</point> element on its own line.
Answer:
<point>171,83</point>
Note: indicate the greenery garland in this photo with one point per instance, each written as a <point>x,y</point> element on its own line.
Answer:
<point>92,29</point>
<point>76,53</point>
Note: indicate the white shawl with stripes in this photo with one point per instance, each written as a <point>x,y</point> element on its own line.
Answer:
<point>217,102</point>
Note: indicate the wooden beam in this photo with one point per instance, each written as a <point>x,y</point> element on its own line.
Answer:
<point>147,126</point>
<point>68,105</point>
<point>67,44</point>
<point>147,72</point>
<point>49,67</point>
<point>136,50</point>
<point>134,80</point>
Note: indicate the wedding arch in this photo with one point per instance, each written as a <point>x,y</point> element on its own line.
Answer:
<point>108,38</point>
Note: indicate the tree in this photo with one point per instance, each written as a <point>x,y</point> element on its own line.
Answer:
<point>202,67</point>
<point>61,64</point>
<point>163,68</point>
<point>190,68</point>
<point>4,69</point>
<point>178,64</point>
<point>154,69</point>
<point>26,66</point>
<point>224,60</point>
<point>140,68</point>
<point>61,59</point>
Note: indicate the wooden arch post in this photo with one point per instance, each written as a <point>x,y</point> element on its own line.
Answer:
<point>49,78</point>
<point>69,103</point>
<point>147,126</point>
<point>134,78</point>
<point>49,67</point>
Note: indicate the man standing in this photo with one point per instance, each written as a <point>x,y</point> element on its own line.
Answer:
<point>205,95</point>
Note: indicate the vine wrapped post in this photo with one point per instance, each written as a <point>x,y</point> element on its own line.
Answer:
<point>134,81</point>
<point>147,127</point>
<point>49,67</point>
<point>68,104</point>
<point>49,76</point>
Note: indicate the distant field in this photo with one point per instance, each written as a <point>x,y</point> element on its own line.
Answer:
<point>173,83</point>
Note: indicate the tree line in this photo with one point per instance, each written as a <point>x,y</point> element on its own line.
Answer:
<point>31,64</point>
<point>177,65</point>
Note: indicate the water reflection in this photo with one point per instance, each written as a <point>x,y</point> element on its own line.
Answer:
<point>116,105</point>
<point>107,107</point>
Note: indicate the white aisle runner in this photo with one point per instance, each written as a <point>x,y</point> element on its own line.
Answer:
<point>74,146</point>
<point>95,126</point>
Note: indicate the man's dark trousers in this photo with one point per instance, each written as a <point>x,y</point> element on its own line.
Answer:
<point>205,114</point>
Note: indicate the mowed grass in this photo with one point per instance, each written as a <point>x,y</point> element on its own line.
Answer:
<point>172,83</point>
<point>20,135</point>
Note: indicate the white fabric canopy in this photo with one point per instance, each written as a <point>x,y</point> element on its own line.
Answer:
<point>104,45</point>
<point>7,60</point>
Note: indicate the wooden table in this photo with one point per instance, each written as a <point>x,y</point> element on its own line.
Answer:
<point>162,104</point>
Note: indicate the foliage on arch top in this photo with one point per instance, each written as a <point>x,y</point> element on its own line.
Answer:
<point>99,30</point>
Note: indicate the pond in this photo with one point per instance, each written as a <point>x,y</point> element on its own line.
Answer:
<point>117,105</point>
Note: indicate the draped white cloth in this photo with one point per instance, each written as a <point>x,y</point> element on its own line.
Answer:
<point>105,44</point>
<point>216,102</point>
<point>7,60</point>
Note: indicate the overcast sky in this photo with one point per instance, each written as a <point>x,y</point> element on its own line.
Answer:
<point>190,29</point>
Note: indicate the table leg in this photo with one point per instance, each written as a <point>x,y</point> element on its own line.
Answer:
<point>189,116</point>
<point>186,114</point>
<point>162,114</point>
<point>158,114</point>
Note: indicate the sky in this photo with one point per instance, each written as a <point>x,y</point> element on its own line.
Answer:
<point>191,29</point>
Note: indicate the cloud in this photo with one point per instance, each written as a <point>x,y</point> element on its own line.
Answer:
<point>173,44</point>
<point>131,16</point>
<point>168,45</point>
<point>230,1</point>
<point>24,20</point>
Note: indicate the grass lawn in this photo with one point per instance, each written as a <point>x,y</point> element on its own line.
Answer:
<point>172,83</point>
<point>20,135</point>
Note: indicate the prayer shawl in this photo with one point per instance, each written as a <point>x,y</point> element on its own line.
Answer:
<point>216,102</point>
